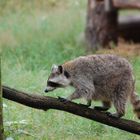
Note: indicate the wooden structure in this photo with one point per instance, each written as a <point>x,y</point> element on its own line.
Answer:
<point>105,26</point>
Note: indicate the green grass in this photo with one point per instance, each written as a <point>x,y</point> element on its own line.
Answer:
<point>32,39</point>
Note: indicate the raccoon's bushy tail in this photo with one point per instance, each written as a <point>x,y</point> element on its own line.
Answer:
<point>134,98</point>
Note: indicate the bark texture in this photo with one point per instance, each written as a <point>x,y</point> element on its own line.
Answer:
<point>101,26</point>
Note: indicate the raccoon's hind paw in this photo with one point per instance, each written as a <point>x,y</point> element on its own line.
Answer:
<point>62,99</point>
<point>113,115</point>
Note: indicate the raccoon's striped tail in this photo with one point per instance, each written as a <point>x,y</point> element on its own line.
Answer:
<point>136,103</point>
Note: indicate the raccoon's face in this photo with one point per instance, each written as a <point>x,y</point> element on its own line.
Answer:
<point>58,78</point>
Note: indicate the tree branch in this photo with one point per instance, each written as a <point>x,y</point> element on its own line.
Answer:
<point>45,102</point>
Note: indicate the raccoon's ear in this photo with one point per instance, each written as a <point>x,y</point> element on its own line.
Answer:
<point>54,68</point>
<point>60,69</point>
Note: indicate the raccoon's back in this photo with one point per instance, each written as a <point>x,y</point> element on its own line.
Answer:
<point>98,65</point>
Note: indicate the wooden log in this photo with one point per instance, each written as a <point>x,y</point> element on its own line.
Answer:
<point>45,103</point>
<point>101,26</point>
<point>122,4</point>
<point>126,4</point>
<point>129,28</point>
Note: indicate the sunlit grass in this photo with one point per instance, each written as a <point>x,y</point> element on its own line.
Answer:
<point>31,41</point>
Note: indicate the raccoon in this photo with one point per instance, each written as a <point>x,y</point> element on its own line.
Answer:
<point>106,78</point>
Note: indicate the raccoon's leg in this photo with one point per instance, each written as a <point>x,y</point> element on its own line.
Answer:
<point>121,95</point>
<point>120,108</point>
<point>88,103</point>
<point>78,94</point>
<point>119,101</point>
<point>105,107</point>
<point>73,96</point>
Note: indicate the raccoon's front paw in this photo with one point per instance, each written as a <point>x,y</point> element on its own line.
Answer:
<point>85,105</point>
<point>62,99</point>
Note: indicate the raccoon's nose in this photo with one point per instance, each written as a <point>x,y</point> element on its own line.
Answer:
<point>46,90</point>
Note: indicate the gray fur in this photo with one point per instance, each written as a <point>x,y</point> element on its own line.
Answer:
<point>107,78</point>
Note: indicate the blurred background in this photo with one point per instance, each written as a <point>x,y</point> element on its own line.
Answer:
<point>34,34</point>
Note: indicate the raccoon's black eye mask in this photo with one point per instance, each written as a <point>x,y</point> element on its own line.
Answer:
<point>66,74</point>
<point>53,84</point>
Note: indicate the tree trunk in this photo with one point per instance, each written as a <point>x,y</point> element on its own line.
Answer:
<point>101,26</point>
<point>1,106</point>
